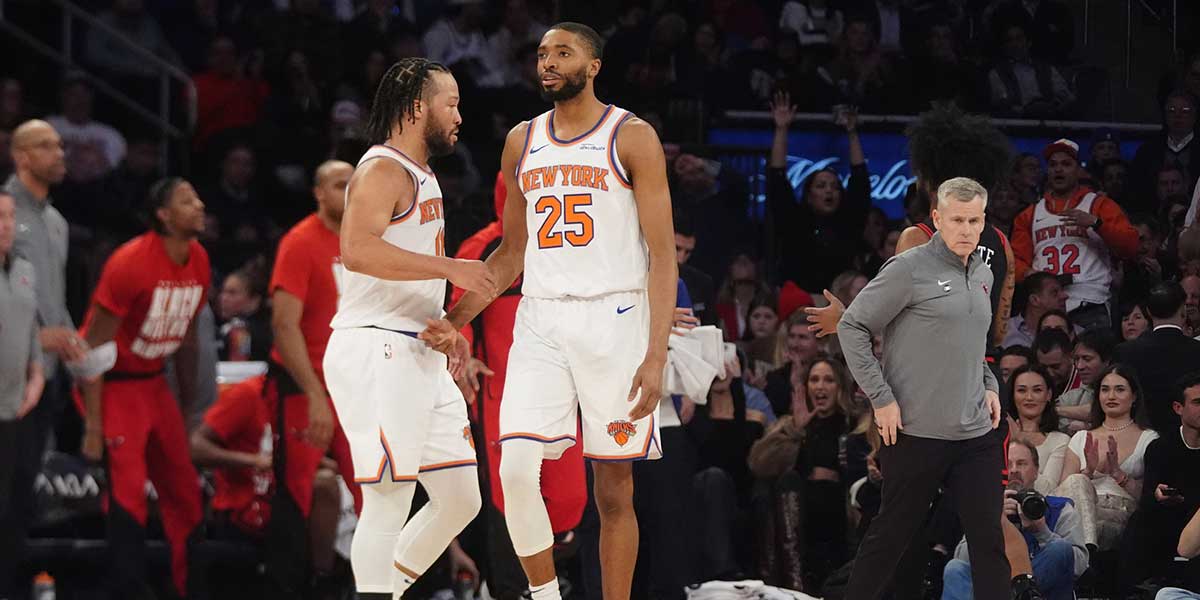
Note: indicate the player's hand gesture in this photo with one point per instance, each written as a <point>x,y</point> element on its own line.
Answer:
<point>1080,218</point>
<point>439,335</point>
<point>473,276</point>
<point>782,109</point>
<point>460,356</point>
<point>468,384</point>
<point>648,379</point>
<point>825,320</point>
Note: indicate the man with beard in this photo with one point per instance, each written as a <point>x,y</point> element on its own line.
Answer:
<point>150,291</point>
<point>588,219</point>
<point>402,413</point>
<point>1076,232</point>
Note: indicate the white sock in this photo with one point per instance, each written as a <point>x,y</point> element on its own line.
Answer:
<point>546,591</point>
<point>400,584</point>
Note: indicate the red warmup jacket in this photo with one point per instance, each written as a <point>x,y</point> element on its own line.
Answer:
<point>1115,230</point>
<point>564,485</point>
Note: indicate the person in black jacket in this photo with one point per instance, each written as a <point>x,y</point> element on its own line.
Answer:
<point>1162,356</point>
<point>819,235</point>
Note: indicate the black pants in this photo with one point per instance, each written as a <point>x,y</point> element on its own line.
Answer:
<point>913,470</point>
<point>17,473</point>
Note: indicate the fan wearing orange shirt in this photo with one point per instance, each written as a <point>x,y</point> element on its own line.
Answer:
<point>1076,233</point>
<point>147,299</point>
<point>304,298</point>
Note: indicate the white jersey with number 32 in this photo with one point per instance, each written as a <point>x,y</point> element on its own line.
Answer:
<point>368,301</point>
<point>1076,251</point>
<point>585,239</point>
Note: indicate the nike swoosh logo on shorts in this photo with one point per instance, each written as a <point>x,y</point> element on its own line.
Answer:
<point>621,311</point>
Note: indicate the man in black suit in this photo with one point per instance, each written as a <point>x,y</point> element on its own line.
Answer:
<point>699,284</point>
<point>1050,23</point>
<point>1163,356</point>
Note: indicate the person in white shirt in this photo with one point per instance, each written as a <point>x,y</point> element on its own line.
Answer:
<point>93,148</point>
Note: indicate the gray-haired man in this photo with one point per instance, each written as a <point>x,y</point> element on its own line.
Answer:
<point>935,399</point>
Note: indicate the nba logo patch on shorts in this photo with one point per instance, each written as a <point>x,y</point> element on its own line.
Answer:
<point>622,431</point>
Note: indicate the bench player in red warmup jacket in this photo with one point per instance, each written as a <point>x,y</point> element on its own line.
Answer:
<point>147,299</point>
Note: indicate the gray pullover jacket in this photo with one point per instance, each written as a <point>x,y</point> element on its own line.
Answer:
<point>933,314</point>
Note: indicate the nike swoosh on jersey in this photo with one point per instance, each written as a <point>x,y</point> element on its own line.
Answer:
<point>621,311</point>
<point>535,150</point>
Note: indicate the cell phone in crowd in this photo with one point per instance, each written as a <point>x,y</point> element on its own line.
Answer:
<point>1171,491</point>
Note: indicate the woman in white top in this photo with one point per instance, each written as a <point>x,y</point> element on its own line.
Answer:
<point>1103,471</point>
<point>1031,417</point>
<point>814,21</point>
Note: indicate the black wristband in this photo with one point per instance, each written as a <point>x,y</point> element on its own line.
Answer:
<point>1097,224</point>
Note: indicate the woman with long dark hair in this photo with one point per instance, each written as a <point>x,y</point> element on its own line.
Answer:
<point>1030,407</point>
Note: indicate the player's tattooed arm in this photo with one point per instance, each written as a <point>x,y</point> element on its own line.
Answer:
<point>508,261</point>
<point>101,329</point>
<point>372,203</point>
<point>641,152</point>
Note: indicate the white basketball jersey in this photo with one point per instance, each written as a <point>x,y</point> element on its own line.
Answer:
<point>1076,251</point>
<point>399,305</point>
<point>585,239</point>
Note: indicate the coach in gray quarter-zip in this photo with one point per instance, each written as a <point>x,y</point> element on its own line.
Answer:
<point>936,401</point>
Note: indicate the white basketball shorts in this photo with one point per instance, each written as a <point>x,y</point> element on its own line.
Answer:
<point>569,354</point>
<point>401,411</point>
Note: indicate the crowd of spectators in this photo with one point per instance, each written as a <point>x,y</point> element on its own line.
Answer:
<point>1099,362</point>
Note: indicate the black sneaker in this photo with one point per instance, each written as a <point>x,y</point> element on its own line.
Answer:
<point>1024,587</point>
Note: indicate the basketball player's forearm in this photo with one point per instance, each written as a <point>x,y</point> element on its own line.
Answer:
<point>661,289</point>
<point>372,256</point>
<point>92,391</point>
<point>506,265</point>
<point>293,353</point>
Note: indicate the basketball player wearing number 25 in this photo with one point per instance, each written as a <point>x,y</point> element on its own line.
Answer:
<point>588,219</point>
<point>403,415</point>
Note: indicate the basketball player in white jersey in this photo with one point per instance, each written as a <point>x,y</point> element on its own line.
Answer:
<point>403,415</point>
<point>588,218</point>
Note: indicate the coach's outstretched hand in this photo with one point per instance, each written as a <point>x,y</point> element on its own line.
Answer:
<point>473,276</point>
<point>825,320</point>
<point>648,379</point>
<point>887,420</point>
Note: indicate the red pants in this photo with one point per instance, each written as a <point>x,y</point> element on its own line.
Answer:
<point>303,459</point>
<point>564,481</point>
<point>145,439</point>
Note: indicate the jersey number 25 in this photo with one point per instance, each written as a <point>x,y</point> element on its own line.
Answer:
<point>567,210</point>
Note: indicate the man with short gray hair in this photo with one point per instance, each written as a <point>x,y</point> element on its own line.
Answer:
<point>936,402</point>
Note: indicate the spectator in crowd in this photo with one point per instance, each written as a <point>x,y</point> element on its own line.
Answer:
<point>1057,319</point>
<point>113,54</point>
<point>1173,146</point>
<point>1191,307</point>
<point>741,288</point>
<point>815,23</point>
<point>800,456</point>
<point>146,301</point>
<point>1189,548</point>
<point>870,263</point>
<point>294,123</point>
<point>93,148</point>
<point>230,95</point>
<point>1168,181</point>
<point>1188,252</point>
<point>762,323</point>
<point>1023,86</point>
<point>723,430</point>
<point>1162,356</point>
<point>744,22</point>
<point>716,200</point>
<point>1093,353</point>
<point>456,41</point>
<point>1144,270</point>
<point>1074,231</point>
<point>825,226</point>
<point>21,382</point>
<point>705,71</point>
<point>1004,204</point>
<point>518,29</point>
<point>1053,350</point>
<point>1106,146</point>
<point>1014,357</point>
<point>699,284</point>
<point>1031,413</point>
<point>1170,494</point>
<point>12,103</point>
<point>847,285</point>
<point>245,330</point>
<point>1104,487</point>
<point>239,443</point>
<point>863,71</point>
<point>1027,178</point>
<point>943,73</point>
<point>798,347</point>
<point>1050,23</point>
<point>305,26</point>
<point>1135,320</point>
<point>374,27</point>
<point>1114,176</point>
<point>1055,540</point>
<point>1043,293</point>
<point>235,197</point>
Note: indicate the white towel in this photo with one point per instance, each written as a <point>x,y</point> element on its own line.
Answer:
<point>694,360</point>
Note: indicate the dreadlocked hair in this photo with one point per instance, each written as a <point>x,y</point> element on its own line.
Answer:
<point>396,98</point>
<point>946,142</point>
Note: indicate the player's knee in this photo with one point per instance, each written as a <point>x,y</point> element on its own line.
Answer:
<point>519,473</point>
<point>467,504</point>
<point>613,487</point>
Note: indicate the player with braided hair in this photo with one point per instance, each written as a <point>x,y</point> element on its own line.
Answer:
<point>403,415</point>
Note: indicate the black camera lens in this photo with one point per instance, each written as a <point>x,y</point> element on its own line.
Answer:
<point>1033,504</point>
